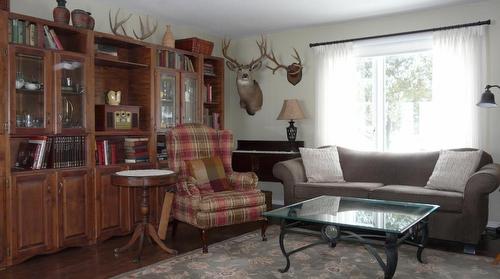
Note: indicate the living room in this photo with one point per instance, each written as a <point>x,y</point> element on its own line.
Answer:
<point>286,31</point>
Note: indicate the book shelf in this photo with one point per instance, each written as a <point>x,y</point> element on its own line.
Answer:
<point>56,159</point>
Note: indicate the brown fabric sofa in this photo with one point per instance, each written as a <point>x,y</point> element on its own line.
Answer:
<point>402,177</point>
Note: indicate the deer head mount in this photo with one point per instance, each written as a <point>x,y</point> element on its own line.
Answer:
<point>117,25</point>
<point>293,71</point>
<point>248,88</point>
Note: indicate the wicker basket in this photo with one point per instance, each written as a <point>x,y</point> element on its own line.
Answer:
<point>195,45</point>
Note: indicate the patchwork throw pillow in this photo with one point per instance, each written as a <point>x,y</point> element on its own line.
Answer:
<point>322,165</point>
<point>453,169</point>
<point>209,174</point>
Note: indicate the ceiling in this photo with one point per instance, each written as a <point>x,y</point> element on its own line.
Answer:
<point>237,18</point>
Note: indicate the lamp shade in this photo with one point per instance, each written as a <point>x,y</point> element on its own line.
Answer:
<point>487,100</point>
<point>291,110</point>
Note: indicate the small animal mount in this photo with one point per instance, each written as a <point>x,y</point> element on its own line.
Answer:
<point>248,88</point>
<point>146,31</point>
<point>118,24</point>
<point>293,71</point>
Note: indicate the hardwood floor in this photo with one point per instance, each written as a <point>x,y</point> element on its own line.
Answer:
<point>98,261</point>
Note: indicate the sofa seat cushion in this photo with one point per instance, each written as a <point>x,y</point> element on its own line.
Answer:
<point>346,189</point>
<point>448,201</point>
<point>227,200</point>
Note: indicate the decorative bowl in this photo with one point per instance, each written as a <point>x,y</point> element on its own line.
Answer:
<point>32,86</point>
<point>19,83</point>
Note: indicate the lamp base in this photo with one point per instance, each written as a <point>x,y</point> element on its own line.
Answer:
<point>291,132</point>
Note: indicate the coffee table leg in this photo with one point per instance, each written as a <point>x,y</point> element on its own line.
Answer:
<point>282,247</point>
<point>391,251</point>
<point>423,239</point>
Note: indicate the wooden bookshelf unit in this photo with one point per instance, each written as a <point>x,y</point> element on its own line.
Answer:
<point>56,160</point>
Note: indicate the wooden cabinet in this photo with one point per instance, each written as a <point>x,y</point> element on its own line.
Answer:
<point>112,205</point>
<point>3,228</point>
<point>74,208</point>
<point>30,91</point>
<point>30,215</point>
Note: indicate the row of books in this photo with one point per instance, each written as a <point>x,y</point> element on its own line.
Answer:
<point>207,93</point>
<point>161,151</point>
<point>25,32</point>
<point>121,150</point>
<point>42,152</point>
<point>175,60</point>
<point>211,119</point>
<point>208,69</point>
<point>136,150</point>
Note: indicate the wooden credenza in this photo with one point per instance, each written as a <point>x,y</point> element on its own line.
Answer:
<point>260,156</point>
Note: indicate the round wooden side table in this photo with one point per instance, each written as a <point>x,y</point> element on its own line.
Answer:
<point>145,179</point>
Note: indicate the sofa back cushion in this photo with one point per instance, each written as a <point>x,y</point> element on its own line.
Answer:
<point>392,168</point>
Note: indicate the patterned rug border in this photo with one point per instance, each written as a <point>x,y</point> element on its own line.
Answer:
<point>197,252</point>
<point>273,231</point>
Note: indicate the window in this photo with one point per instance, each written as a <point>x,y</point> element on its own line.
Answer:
<point>394,93</point>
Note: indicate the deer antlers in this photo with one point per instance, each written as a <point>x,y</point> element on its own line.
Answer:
<point>146,32</point>
<point>118,24</point>
<point>299,65</point>
<point>262,48</point>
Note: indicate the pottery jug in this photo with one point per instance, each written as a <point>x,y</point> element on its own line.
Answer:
<point>168,38</point>
<point>113,97</point>
<point>79,18</point>
<point>91,22</point>
<point>61,13</point>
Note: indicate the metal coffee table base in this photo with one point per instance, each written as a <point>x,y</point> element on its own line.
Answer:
<point>415,236</point>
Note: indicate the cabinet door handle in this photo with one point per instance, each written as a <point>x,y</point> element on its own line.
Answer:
<point>60,188</point>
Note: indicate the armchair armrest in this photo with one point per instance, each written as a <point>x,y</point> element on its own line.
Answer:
<point>186,186</point>
<point>243,181</point>
<point>476,198</point>
<point>290,172</point>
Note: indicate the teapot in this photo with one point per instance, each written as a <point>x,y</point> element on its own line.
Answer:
<point>113,97</point>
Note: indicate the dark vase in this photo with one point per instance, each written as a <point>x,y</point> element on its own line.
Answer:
<point>91,22</point>
<point>79,18</point>
<point>61,13</point>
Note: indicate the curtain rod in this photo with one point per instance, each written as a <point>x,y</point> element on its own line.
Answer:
<point>486,22</point>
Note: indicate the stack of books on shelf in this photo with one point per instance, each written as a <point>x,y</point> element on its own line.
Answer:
<point>211,119</point>
<point>51,39</point>
<point>43,152</point>
<point>109,152</point>
<point>23,32</point>
<point>136,150</point>
<point>188,64</point>
<point>208,69</point>
<point>161,151</point>
<point>106,50</point>
<point>173,60</point>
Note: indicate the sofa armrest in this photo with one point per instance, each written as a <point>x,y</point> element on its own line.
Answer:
<point>476,198</point>
<point>186,186</point>
<point>290,172</point>
<point>243,181</point>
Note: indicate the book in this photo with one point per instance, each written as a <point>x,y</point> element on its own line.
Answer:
<point>20,32</point>
<point>56,39</point>
<point>48,38</point>
<point>33,35</point>
<point>15,34</point>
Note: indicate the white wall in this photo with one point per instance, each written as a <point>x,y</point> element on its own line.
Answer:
<point>276,88</point>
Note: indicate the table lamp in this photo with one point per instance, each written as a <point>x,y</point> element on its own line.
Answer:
<point>291,111</point>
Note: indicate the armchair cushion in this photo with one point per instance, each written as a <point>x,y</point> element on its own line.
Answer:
<point>209,174</point>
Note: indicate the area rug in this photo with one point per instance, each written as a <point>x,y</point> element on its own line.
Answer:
<point>246,256</point>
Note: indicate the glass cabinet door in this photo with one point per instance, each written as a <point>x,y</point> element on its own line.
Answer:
<point>30,111</point>
<point>168,87</point>
<point>190,99</point>
<point>70,86</point>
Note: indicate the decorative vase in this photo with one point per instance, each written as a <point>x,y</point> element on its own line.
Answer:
<point>168,38</point>
<point>61,13</point>
<point>91,22</point>
<point>79,18</point>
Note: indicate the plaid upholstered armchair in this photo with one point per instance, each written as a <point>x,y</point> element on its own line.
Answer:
<point>200,206</point>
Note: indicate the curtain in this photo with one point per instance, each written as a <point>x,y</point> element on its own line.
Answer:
<point>458,80</point>
<point>335,85</point>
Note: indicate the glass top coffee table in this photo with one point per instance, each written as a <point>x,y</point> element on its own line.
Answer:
<point>367,221</point>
